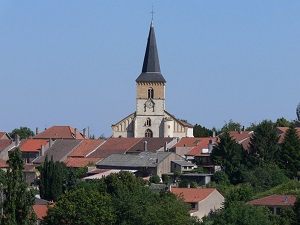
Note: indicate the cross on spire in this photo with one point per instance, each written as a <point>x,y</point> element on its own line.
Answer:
<point>152,12</point>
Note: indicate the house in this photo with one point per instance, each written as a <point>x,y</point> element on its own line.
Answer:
<point>114,146</point>
<point>203,201</point>
<point>282,131</point>
<point>242,137</point>
<point>30,174</point>
<point>184,145</point>
<point>60,132</point>
<point>146,163</point>
<point>162,144</point>
<point>59,150</point>
<point>200,153</point>
<point>275,202</point>
<point>103,173</point>
<point>6,144</point>
<point>78,158</point>
<point>182,166</point>
<point>33,148</point>
<point>40,208</point>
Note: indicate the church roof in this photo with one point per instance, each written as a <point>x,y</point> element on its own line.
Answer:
<point>151,69</point>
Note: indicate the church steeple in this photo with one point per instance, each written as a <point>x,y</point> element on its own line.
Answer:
<point>151,69</point>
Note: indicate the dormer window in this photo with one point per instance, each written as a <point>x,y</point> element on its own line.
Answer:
<point>148,122</point>
<point>150,93</point>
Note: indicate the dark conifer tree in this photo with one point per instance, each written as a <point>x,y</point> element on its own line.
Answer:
<point>289,156</point>
<point>19,201</point>
<point>228,154</point>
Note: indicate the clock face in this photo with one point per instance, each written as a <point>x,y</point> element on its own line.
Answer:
<point>149,103</point>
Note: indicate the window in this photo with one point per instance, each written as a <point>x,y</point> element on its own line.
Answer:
<point>150,93</point>
<point>148,122</point>
<point>148,133</point>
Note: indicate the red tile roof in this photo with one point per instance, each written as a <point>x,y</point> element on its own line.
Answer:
<point>86,147</point>
<point>3,164</point>
<point>32,145</point>
<point>153,144</point>
<point>114,146</point>
<point>59,132</point>
<point>78,162</point>
<point>193,194</point>
<point>203,144</point>
<point>275,200</point>
<point>4,135</point>
<point>4,144</point>
<point>282,132</point>
<point>240,135</point>
<point>187,142</point>
<point>40,211</point>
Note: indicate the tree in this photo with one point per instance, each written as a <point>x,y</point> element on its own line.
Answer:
<point>240,213</point>
<point>228,154</point>
<point>155,179</point>
<point>23,132</point>
<point>81,207</point>
<point>241,193</point>
<point>282,122</point>
<point>200,131</point>
<point>231,126</point>
<point>289,155</point>
<point>53,176</point>
<point>264,176</point>
<point>264,145</point>
<point>19,200</point>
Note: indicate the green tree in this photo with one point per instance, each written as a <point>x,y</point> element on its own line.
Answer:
<point>81,207</point>
<point>155,179</point>
<point>23,132</point>
<point>165,178</point>
<point>200,131</point>
<point>228,155</point>
<point>19,200</point>
<point>263,145</point>
<point>264,176</point>
<point>52,179</point>
<point>289,155</point>
<point>240,213</point>
<point>231,126</point>
<point>241,193</point>
<point>282,122</point>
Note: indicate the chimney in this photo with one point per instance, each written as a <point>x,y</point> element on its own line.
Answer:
<point>17,140</point>
<point>145,146</point>
<point>214,134</point>
<point>165,147</point>
<point>36,131</point>
<point>50,142</point>
<point>75,131</point>
<point>42,150</point>
<point>286,199</point>
<point>84,133</point>
<point>210,145</point>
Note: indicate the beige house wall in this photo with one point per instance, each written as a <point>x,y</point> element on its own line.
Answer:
<point>165,165</point>
<point>213,202</point>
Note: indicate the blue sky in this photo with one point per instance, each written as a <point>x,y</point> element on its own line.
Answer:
<point>75,62</point>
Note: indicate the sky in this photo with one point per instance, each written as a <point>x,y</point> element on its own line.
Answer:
<point>74,63</point>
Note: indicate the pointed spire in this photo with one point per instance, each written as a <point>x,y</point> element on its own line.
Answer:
<point>151,67</point>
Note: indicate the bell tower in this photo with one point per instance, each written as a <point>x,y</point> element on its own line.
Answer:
<point>150,93</point>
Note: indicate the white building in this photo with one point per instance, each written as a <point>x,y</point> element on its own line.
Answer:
<point>150,118</point>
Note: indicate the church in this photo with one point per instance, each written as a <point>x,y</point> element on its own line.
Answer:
<point>150,118</point>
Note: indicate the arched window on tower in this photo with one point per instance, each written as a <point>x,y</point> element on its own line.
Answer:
<point>148,122</point>
<point>150,93</point>
<point>148,133</point>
